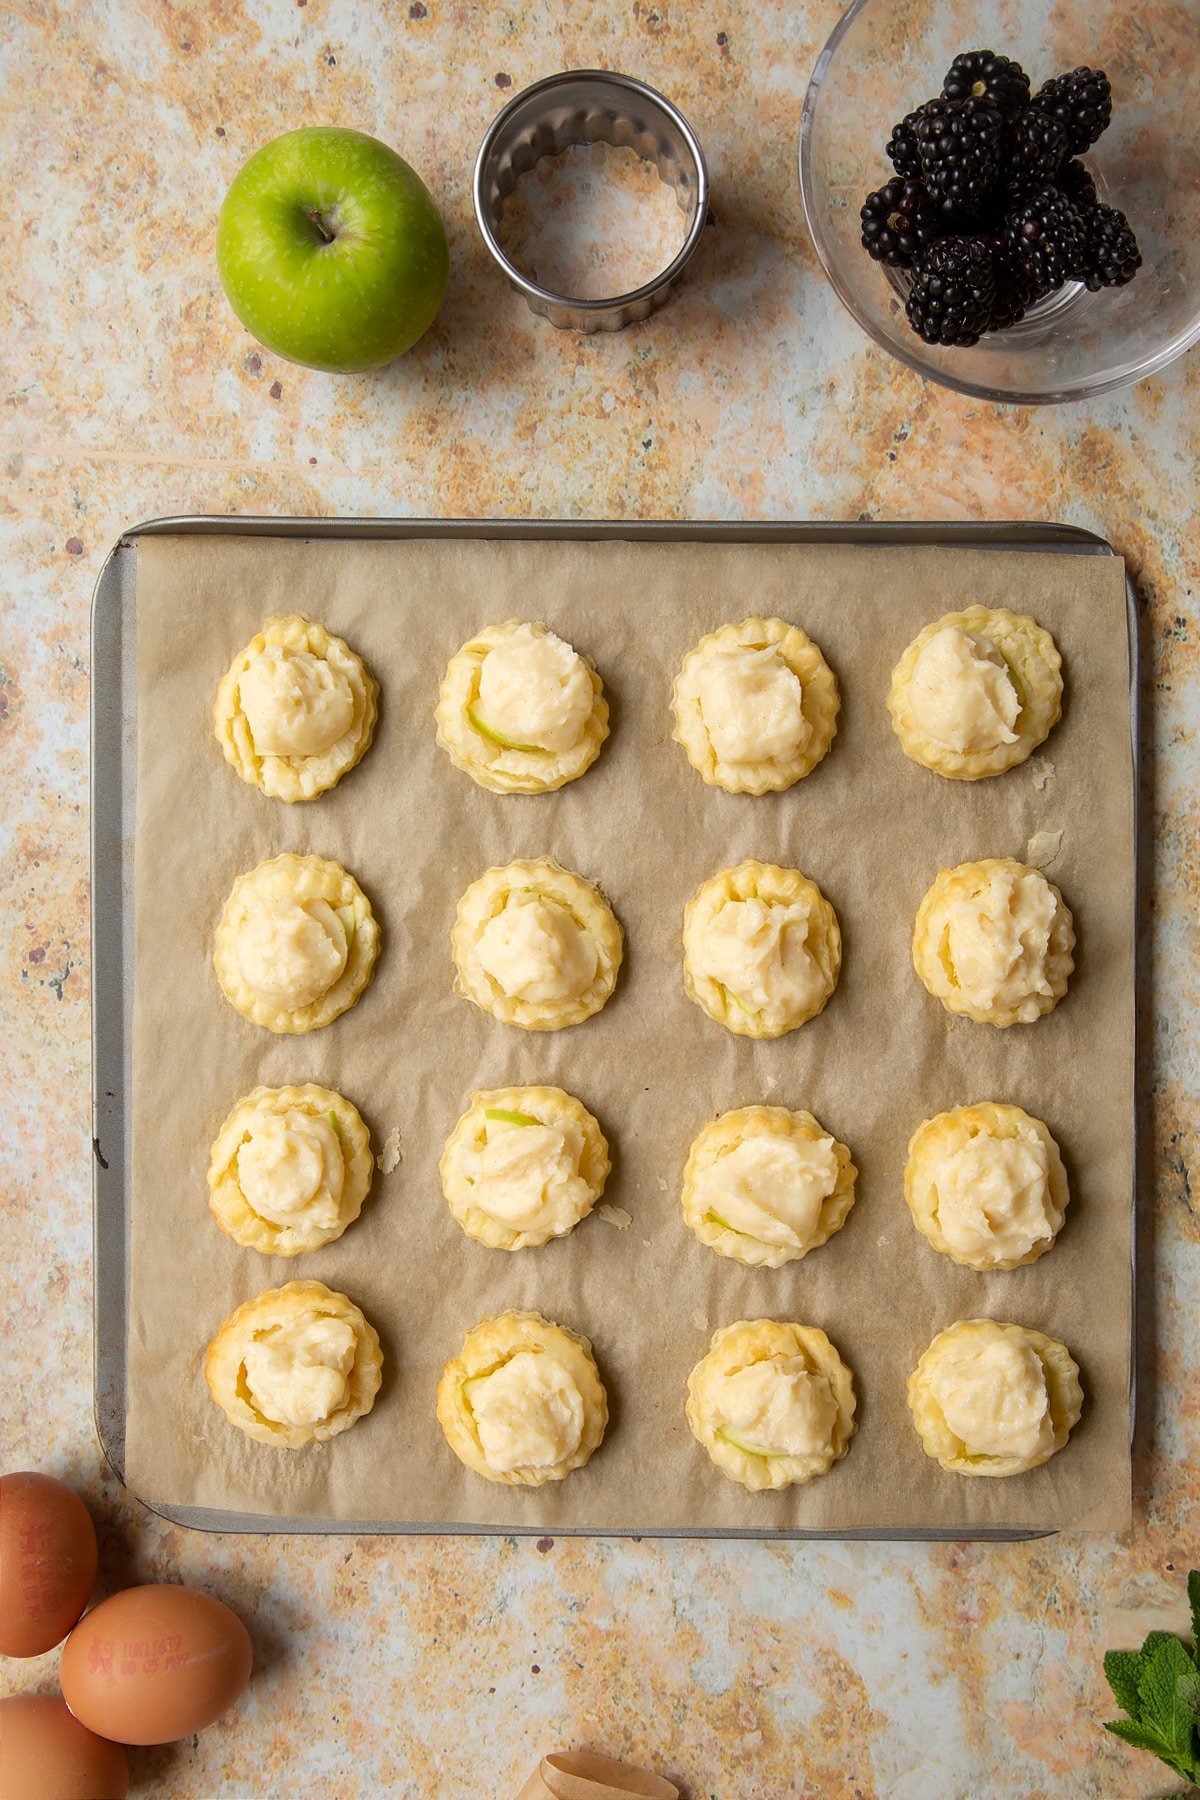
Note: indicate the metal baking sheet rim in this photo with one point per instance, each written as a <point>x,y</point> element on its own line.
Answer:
<point>113,765</point>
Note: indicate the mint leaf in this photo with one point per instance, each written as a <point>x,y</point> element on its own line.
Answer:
<point>1194,1596</point>
<point>1163,1688</point>
<point>1142,1737</point>
<point>1123,1671</point>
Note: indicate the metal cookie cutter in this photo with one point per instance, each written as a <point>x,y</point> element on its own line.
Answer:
<point>589,106</point>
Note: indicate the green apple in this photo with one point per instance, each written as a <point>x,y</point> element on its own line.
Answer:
<point>503,1117</point>
<point>331,250</point>
<point>496,737</point>
<point>740,1443</point>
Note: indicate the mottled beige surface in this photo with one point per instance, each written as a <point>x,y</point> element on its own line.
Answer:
<point>747,1672</point>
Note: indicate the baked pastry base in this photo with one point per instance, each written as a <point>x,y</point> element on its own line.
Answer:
<point>725,1134</point>
<point>297,878</point>
<point>779,887</point>
<point>948,1132</point>
<point>487,1347</point>
<point>550,881</point>
<point>224,1366</point>
<point>1062,1387</point>
<point>500,768</point>
<point>292,778</point>
<point>549,1106</point>
<point>229,1205</point>
<point>819,703</point>
<point>749,1341</point>
<point>1035,666</point>
<point>931,956</point>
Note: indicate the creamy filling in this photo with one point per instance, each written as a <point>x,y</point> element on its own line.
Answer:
<point>777,1408</point>
<point>527,1176</point>
<point>752,705</point>
<point>536,691</point>
<point>993,1196</point>
<point>760,953</point>
<point>994,1398</point>
<point>292,1164</point>
<point>771,1188</point>
<point>298,1373</point>
<point>961,693</point>
<point>292,951</point>
<point>998,938</point>
<point>534,950</point>
<point>295,703</point>
<point>528,1413</point>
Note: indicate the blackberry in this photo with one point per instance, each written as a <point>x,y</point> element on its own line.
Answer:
<point>1036,147</point>
<point>953,292</point>
<point>959,143</point>
<point>898,220</point>
<point>1082,101</point>
<point>902,150</point>
<point>1048,235</point>
<point>1015,294</point>
<point>985,76</point>
<point>1075,180</point>
<point>1112,257</point>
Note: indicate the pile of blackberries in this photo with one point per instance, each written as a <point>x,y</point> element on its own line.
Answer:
<point>989,207</point>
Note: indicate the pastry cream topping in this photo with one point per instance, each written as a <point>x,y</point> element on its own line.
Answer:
<point>292,1163</point>
<point>292,951</point>
<point>779,1408</point>
<point>295,703</point>
<point>771,1188</point>
<point>534,950</point>
<point>527,1176</point>
<point>535,690</point>
<point>997,940</point>
<point>961,693</point>
<point>752,705</point>
<point>760,954</point>
<point>529,1413</point>
<point>297,1374</point>
<point>993,1195</point>
<point>994,1398</point>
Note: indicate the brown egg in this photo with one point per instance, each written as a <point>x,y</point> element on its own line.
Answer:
<point>47,1562</point>
<point>45,1754</point>
<point>154,1664</point>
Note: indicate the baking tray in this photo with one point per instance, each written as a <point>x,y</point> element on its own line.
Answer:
<point>113,815</point>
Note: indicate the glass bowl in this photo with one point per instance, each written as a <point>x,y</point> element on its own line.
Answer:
<point>887,56</point>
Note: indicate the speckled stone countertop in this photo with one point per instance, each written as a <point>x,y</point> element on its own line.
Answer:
<point>442,1669</point>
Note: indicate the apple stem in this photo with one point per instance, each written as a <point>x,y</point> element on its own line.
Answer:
<point>318,220</point>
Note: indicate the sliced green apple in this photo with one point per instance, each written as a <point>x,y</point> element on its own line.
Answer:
<point>337,1130</point>
<point>740,1004</point>
<point>496,736</point>
<point>741,1443</point>
<point>718,1220</point>
<point>502,1116</point>
<point>1018,686</point>
<point>349,924</point>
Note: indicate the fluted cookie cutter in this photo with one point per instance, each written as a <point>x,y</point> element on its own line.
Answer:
<point>590,106</point>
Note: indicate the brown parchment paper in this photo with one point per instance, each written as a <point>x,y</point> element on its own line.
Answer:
<point>871,827</point>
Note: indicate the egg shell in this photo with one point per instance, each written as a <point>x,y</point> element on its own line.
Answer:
<point>48,1560</point>
<point>45,1754</point>
<point>154,1664</point>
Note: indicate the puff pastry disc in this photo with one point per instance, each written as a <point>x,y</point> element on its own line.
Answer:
<point>973,739</point>
<point>295,944</point>
<point>539,687</point>
<point>991,1367</point>
<point>535,946</point>
<point>772,1403</point>
<point>295,1365</point>
<point>523,1402</point>
<point>762,949</point>
<point>986,1185</point>
<point>303,1154</point>
<point>755,706</point>
<point>993,941</point>
<point>523,1165</point>
<point>779,1172</point>
<point>295,710</point>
